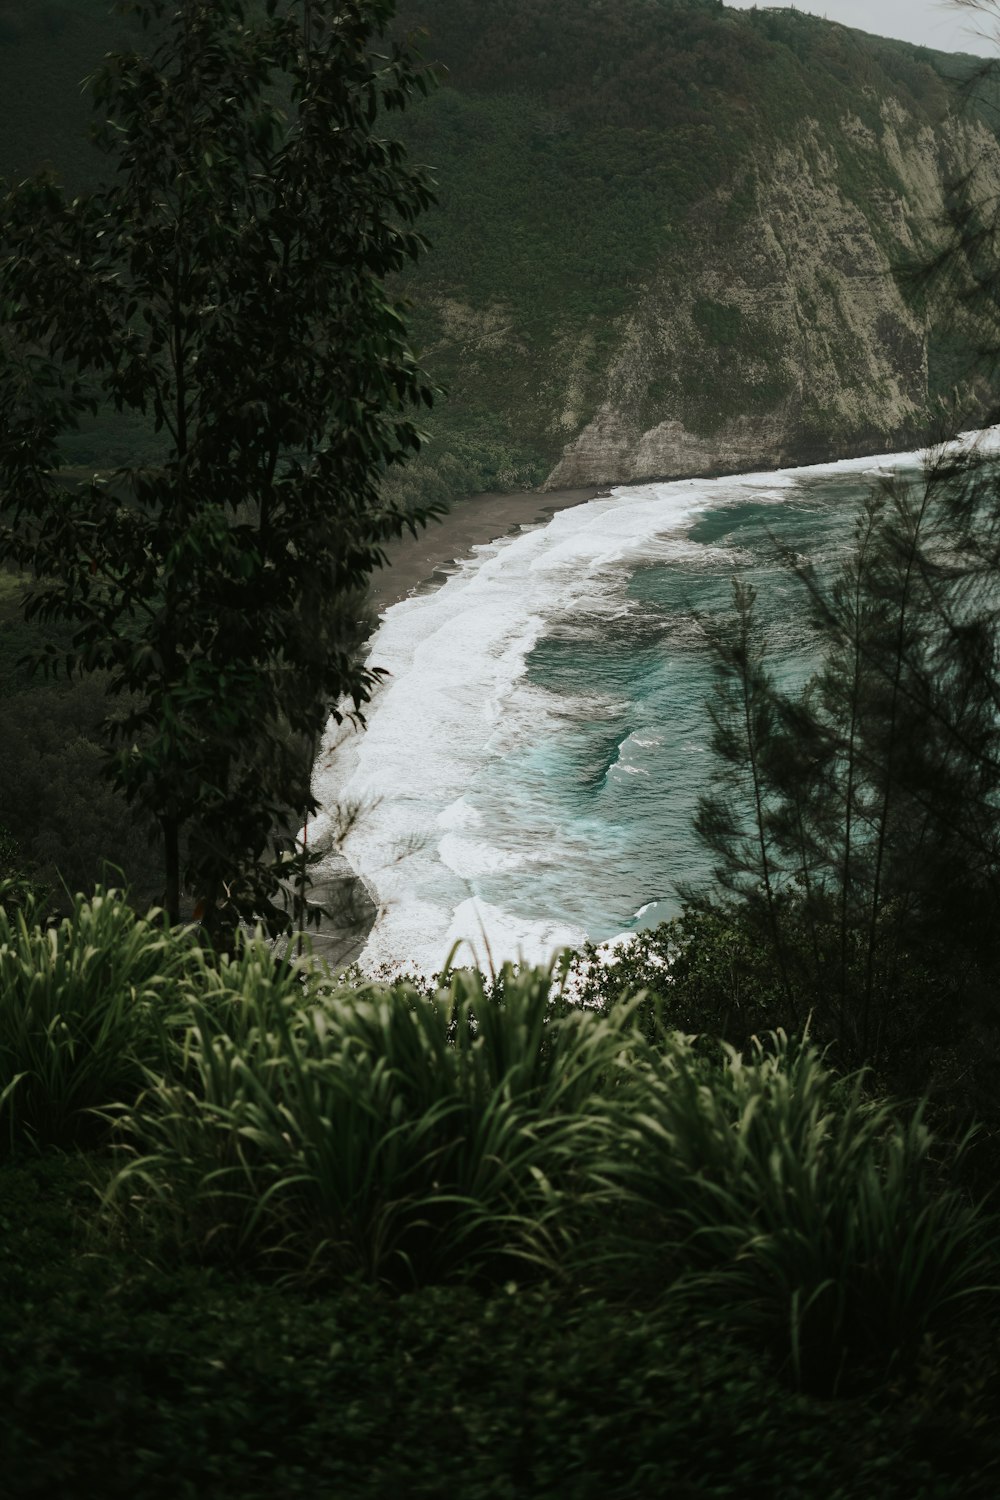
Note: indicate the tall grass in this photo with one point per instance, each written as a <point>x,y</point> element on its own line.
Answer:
<point>81,1006</point>
<point>269,1117</point>
<point>327,1131</point>
<point>782,1200</point>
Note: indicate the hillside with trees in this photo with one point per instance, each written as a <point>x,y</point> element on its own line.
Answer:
<point>673,239</point>
<point>670,237</point>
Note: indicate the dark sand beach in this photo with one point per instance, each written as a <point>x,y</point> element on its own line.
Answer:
<point>415,565</point>
<point>424,561</point>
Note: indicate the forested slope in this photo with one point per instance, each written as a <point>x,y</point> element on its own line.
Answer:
<point>669,240</point>
<point>669,237</point>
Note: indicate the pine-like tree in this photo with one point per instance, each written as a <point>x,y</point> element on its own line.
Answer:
<point>870,800</point>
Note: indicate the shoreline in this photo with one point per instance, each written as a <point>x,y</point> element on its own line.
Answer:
<point>421,564</point>
<point>417,564</point>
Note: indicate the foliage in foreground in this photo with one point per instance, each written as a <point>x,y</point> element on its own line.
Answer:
<point>82,1007</point>
<point>376,1130</point>
<point>323,1132</point>
<point>119,1379</point>
<point>793,1205</point>
<point>17,889</point>
<point>629,1261</point>
<point>702,972</point>
<point>226,285</point>
<point>272,1121</point>
<point>854,820</point>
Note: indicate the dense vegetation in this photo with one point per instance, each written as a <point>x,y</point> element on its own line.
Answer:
<point>481,1239</point>
<point>573,144</point>
<point>226,285</point>
<point>583,150</point>
<point>612,1230</point>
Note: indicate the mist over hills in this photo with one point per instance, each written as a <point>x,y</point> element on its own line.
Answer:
<point>670,235</point>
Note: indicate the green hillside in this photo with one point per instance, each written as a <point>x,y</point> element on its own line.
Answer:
<point>585,153</point>
<point>703,1214</point>
<point>606,175</point>
<point>47,49</point>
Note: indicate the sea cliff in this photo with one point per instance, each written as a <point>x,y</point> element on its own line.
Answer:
<point>685,240</point>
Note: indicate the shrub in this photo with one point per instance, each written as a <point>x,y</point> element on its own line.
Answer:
<point>783,1200</point>
<point>327,1131</point>
<point>121,1379</point>
<point>17,889</point>
<point>704,971</point>
<point>81,1005</point>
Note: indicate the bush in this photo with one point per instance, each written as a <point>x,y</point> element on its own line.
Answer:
<point>17,889</point>
<point>72,826</point>
<point>122,1379</point>
<point>325,1131</point>
<point>705,971</point>
<point>782,1200</point>
<point>81,1007</point>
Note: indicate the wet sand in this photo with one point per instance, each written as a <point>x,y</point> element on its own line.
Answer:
<point>424,561</point>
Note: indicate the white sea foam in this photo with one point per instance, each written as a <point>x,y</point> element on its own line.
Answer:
<point>456,706</point>
<point>471,857</point>
<point>459,815</point>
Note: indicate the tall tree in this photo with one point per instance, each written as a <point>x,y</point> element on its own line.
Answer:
<point>735,819</point>
<point>872,796</point>
<point>228,284</point>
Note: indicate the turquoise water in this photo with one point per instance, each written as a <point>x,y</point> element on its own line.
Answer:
<point>625,779</point>
<point>531,771</point>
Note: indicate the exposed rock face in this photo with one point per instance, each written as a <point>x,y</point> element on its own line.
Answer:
<point>785,337</point>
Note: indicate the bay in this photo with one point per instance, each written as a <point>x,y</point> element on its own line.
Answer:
<point>530,770</point>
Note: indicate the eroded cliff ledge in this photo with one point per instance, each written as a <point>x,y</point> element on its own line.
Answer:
<point>790,337</point>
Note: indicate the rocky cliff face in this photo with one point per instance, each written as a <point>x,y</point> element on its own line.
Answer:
<point>668,235</point>
<point>788,338</point>
<point>697,274</point>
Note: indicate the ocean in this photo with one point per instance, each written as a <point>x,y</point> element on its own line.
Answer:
<point>530,769</point>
